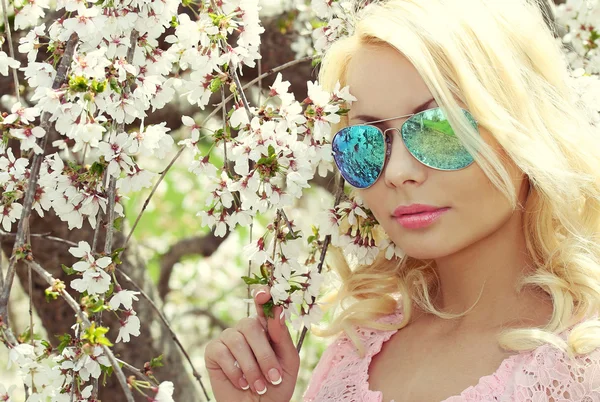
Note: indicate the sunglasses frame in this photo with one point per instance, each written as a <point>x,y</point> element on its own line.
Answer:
<point>387,141</point>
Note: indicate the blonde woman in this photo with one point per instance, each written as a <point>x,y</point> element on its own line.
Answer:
<point>468,149</point>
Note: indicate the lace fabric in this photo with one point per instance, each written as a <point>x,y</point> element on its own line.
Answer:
<point>542,375</point>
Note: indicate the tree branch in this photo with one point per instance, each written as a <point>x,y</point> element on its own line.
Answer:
<point>11,49</point>
<point>83,317</point>
<point>197,245</point>
<point>35,170</point>
<point>168,326</point>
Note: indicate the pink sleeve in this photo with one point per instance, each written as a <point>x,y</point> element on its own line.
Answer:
<point>550,375</point>
<point>321,371</point>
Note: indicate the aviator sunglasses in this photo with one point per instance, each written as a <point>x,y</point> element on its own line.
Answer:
<point>361,151</point>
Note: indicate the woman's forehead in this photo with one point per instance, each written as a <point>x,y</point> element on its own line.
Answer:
<point>383,75</point>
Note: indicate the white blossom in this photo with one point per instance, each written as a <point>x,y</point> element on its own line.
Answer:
<point>6,61</point>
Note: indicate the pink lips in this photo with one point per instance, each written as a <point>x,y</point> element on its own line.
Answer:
<point>418,215</point>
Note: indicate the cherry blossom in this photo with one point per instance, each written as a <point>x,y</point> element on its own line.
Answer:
<point>123,297</point>
<point>6,62</point>
<point>164,392</point>
<point>129,326</point>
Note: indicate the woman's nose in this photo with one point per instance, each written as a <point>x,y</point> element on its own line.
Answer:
<point>401,167</point>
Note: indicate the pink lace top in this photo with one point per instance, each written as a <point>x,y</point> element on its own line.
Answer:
<point>544,374</point>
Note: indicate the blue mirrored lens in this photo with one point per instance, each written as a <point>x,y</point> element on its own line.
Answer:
<point>431,140</point>
<point>359,153</point>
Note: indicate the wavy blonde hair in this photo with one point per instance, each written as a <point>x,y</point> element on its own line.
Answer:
<point>501,60</point>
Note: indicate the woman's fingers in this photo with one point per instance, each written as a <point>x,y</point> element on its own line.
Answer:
<point>217,352</point>
<point>275,324</point>
<point>256,356</point>
<point>261,295</point>
<point>249,346</point>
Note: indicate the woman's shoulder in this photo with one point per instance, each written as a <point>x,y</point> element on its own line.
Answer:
<point>551,372</point>
<point>341,368</point>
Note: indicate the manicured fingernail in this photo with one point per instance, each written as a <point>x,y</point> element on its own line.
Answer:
<point>262,291</point>
<point>244,384</point>
<point>260,387</point>
<point>282,316</point>
<point>274,376</point>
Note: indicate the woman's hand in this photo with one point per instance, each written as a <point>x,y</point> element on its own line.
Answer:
<point>255,360</point>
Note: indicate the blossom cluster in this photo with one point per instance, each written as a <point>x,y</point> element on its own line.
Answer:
<point>115,75</point>
<point>277,150</point>
<point>65,376</point>
<point>354,228</point>
<point>294,280</point>
<point>319,23</point>
<point>581,19</point>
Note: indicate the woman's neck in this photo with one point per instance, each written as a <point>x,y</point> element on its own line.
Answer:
<point>490,270</point>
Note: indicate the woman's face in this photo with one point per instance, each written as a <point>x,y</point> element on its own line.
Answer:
<point>387,85</point>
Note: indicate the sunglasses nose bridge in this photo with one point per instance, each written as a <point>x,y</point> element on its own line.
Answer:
<point>400,164</point>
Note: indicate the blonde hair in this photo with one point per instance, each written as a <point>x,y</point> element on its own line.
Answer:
<point>500,59</point>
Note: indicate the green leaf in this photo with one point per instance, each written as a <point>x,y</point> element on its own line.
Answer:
<point>156,361</point>
<point>118,223</point>
<point>268,309</point>
<point>65,340</point>
<point>67,270</point>
<point>24,336</point>
<point>78,84</point>
<point>257,280</point>
<point>95,335</point>
<point>114,85</point>
<point>215,84</point>
<point>50,295</point>
<point>97,169</point>
<point>98,86</point>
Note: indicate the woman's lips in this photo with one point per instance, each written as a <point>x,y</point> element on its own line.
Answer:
<point>420,220</point>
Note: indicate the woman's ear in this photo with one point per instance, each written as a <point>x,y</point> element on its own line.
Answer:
<point>524,192</point>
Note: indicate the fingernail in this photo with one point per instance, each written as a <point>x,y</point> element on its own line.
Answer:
<point>282,316</point>
<point>260,387</point>
<point>275,376</point>
<point>262,291</point>
<point>244,384</point>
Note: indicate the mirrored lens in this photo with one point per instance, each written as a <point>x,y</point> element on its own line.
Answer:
<point>429,138</point>
<point>359,153</point>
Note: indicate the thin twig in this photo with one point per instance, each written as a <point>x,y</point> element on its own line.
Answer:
<point>136,371</point>
<point>259,80</point>
<point>83,317</point>
<point>111,215</point>
<point>326,242</point>
<point>249,292</point>
<point>34,175</point>
<point>147,201</point>
<point>112,192</point>
<point>11,49</point>
<point>99,216</point>
<point>168,326</point>
<point>288,223</point>
<point>43,236</point>
<point>1,269</point>
<point>224,109</point>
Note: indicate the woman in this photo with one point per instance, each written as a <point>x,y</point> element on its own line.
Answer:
<point>466,146</point>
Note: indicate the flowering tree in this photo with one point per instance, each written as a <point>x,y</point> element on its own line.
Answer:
<point>88,83</point>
